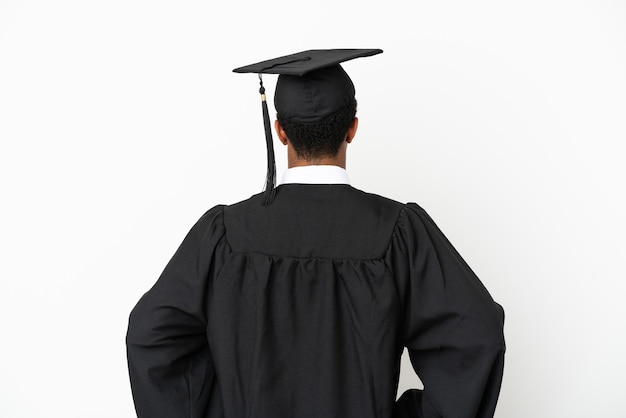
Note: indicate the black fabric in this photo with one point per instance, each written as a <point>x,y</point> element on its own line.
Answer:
<point>312,85</point>
<point>302,309</point>
<point>315,96</point>
<point>306,61</point>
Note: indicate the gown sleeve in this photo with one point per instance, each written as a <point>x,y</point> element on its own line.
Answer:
<point>169,360</point>
<point>452,328</point>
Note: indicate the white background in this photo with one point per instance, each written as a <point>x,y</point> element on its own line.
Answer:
<point>121,123</point>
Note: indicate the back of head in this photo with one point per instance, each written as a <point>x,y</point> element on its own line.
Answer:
<point>314,141</point>
<point>316,110</point>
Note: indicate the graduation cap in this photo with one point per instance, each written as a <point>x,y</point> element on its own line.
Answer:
<point>311,86</point>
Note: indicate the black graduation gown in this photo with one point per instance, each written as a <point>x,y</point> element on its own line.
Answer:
<point>302,309</point>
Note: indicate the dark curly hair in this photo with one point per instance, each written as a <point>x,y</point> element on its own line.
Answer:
<point>321,139</point>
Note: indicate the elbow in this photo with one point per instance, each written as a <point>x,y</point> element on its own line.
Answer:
<point>132,331</point>
<point>495,334</point>
<point>487,332</point>
<point>136,333</point>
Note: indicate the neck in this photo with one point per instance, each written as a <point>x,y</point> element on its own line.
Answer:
<point>320,161</point>
<point>293,160</point>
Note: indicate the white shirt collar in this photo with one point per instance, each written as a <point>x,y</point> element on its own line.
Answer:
<point>315,174</point>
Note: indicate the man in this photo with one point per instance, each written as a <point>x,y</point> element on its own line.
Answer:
<point>299,302</point>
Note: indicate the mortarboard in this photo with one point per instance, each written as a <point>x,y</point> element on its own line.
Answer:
<point>311,86</point>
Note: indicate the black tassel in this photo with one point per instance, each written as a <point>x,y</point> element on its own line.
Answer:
<point>270,179</point>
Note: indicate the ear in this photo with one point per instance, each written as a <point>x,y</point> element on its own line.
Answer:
<point>282,136</point>
<point>352,130</point>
